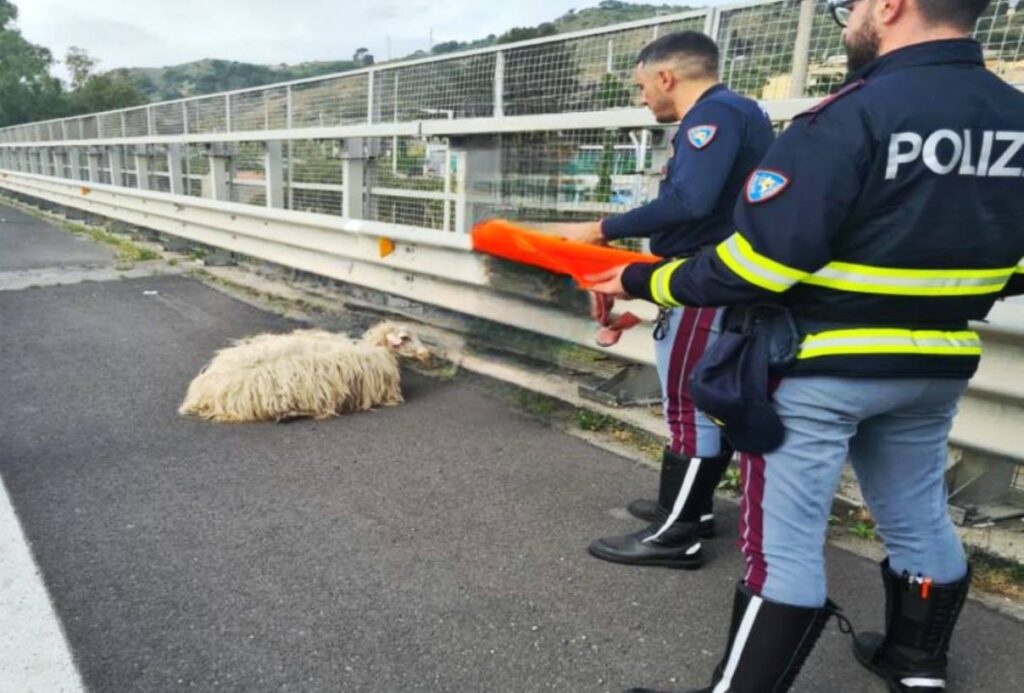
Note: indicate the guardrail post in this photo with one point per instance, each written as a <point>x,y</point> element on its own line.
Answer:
<point>274,172</point>
<point>142,168</point>
<point>353,178</point>
<point>174,169</point>
<point>802,49</point>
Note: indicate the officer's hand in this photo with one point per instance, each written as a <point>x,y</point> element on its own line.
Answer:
<point>608,282</point>
<point>585,232</point>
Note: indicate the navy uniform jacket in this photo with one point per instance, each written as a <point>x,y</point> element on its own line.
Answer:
<point>719,142</point>
<point>885,218</point>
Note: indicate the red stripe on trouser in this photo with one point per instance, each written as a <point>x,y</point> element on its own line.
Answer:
<point>751,539</point>
<point>690,342</point>
<point>673,414</point>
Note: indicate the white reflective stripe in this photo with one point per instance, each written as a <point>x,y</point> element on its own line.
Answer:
<point>736,651</point>
<point>693,549</point>
<point>1020,267</point>
<point>684,494</point>
<point>705,518</point>
<point>917,682</point>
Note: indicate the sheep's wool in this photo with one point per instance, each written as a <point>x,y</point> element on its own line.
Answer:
<point>305,373</point>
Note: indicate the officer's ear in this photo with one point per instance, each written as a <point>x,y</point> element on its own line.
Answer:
<point>890,11</point>
<point>667,79</point>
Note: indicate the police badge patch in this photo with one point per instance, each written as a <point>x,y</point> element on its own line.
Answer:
<point>701,135</point>
<point>764,184</point>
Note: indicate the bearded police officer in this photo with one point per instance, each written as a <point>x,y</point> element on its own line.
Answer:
<point>883,220</point>
<point>721,138</point>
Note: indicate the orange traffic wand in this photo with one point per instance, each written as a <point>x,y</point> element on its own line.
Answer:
<point>512,242</point>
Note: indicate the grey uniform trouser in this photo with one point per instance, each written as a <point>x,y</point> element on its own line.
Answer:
<point>894,431</point>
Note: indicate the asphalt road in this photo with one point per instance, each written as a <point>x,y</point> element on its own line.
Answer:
<point>435,546</point>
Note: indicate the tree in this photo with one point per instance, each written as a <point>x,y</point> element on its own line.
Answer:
<point>27,90</point>
<point>362,56</point>
<point>521,33</point>
<point>91,93</point>
<point>80,64</point>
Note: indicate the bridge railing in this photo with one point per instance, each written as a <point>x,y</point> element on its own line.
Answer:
<point>313,174</point>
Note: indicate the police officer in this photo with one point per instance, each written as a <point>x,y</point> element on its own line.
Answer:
<point>721,138</point>
<point>884,219</point>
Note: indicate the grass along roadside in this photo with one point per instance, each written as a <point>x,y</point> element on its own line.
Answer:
<point>126,251</point>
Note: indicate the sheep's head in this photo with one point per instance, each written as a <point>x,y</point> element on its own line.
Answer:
<point>398,339</point>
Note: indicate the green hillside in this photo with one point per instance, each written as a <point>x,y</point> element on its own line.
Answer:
<point>210,76</point>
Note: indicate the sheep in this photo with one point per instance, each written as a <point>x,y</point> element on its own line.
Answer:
<point>270,377</point>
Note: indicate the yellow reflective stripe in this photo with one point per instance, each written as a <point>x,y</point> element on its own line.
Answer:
<point>891,341</point>
<point>660,282</point>
<point>1020,268</point>
<point>846,276</point>
<point>739,256</point>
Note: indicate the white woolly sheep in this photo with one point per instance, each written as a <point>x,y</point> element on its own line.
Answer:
<point>270,377</point>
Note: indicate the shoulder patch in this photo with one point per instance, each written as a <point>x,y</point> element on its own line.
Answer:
<point>817,108</point>
<point>700,136</point>
<point>764,184</point>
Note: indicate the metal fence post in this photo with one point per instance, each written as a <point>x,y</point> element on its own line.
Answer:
<point>116,166</point>
<point>802,49</point>
<point>499,84</point>
<point>142,168</point>
<point>371,79</point>
<point>712,23</point>
<point>274,168</point>
<point>94,165</point>
<point>174,169</point>
<point>353,178</point>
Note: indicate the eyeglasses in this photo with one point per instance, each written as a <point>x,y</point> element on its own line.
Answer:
<point>841,10</point>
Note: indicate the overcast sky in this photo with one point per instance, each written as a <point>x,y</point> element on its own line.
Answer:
<point>153,33</point>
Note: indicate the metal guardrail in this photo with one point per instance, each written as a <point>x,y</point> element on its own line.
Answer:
<point>311,174</point>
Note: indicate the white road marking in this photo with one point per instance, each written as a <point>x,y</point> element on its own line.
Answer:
<point>34,654</point>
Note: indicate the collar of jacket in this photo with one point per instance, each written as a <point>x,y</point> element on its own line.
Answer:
<point>714,89</point>
<point>943,52</point>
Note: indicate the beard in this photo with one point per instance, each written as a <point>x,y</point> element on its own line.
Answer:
<point>862,47</point>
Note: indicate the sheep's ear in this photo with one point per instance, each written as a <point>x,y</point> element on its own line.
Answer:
<point>394,339</point>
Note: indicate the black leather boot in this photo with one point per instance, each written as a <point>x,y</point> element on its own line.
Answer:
<point>672,539</point>
<point>768,644</point>
<point>919,621</point>
<point>646,509</point>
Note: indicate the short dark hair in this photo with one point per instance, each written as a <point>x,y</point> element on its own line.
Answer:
<point>689,45</point>
<point>959,13</point>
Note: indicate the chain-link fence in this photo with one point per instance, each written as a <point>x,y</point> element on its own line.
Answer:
<point>771,49</point>
<point>583,71</point>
